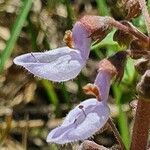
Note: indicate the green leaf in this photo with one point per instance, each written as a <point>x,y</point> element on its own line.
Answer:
<point>50,92</point>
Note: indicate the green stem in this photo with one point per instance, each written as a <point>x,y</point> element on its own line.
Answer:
<point>70,13</point>
<point>15,32</point>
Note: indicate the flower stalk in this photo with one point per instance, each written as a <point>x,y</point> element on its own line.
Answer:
<point>131,30</point>
<point>142,117</point>
<point>141,126</point>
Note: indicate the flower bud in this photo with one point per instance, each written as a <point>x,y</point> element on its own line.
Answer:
<point>132,8</point>
<point>124,9</point>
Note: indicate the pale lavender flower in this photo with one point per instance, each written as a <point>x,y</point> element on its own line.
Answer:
<point>86,118</point>
<point>59,64</point>
<point>81,123</point>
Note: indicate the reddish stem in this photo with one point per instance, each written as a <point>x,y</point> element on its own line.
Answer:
<point>141,126</point>
<point>129,30</point>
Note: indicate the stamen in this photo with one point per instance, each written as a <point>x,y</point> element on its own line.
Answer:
<point>68,39</point>
<point>91,89</point>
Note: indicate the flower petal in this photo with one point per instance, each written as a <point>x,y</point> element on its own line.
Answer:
<point>82,40</point>
<point>103,81</point>
<point>81,123</point>
<point>57,65</point>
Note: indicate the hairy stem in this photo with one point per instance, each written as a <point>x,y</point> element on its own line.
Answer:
<point>116,134</point>
<point>131,30</point>
<point>141,126</point>
<point>145,14</point>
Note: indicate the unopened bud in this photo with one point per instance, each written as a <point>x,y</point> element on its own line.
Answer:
<point>124,9</point>
<point>118,60</point>
<point>132,9</point>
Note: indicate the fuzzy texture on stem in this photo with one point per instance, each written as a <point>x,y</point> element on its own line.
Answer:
<point>141,126</point>
<point>142,118</point>
<point>131,30</point>
<point>145,14</point>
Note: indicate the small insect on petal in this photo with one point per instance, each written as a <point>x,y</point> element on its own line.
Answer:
<point>81,123</point>
<point>57,65</point>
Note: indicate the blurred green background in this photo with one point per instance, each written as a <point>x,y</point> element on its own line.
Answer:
<point>30,107</point>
